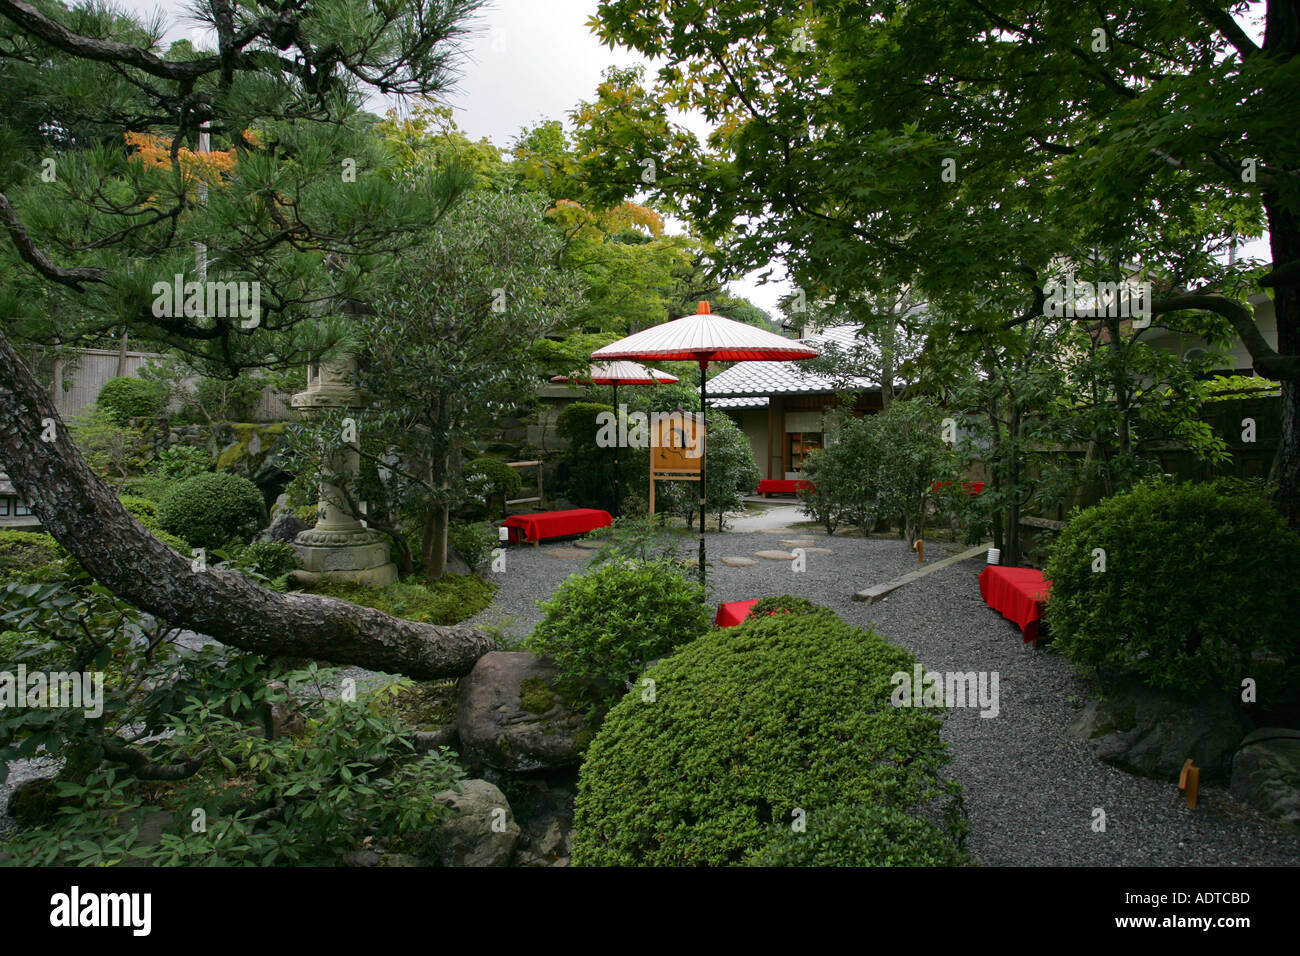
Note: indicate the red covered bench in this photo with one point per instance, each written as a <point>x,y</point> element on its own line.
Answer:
<point>1018,594</point>
<point>973,487</point>
<point>729,615</point>
<point>556,524</point>
<point>774,486</point>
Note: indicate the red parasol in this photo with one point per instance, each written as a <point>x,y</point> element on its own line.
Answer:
<point>704,338</point>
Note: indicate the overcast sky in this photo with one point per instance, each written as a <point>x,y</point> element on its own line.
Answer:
<point>531,60</point>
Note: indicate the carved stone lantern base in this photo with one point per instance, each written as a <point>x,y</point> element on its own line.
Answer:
<point>360,556</point>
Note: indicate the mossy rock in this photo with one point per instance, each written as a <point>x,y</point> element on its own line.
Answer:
<point>536,696</point>
<point>238,456</point>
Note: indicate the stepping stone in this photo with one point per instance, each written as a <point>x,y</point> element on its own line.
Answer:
<point>567,554</point>
<point>818,551</point>
<point>739,562</point>
<point>774,555</point>
<point>589,545</point>
<point>797,543</point>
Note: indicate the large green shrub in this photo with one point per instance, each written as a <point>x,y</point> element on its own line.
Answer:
<point>745,726</point>
<point>604,626</point>
<point>212,509</point>
<point>860,836</point>
<point>1197,578</point>
<point>127,397</point>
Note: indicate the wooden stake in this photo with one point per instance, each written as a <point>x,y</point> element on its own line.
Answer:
<point>919,548</point>
<point>1188,783</point>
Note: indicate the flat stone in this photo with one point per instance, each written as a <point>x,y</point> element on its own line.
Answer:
<point>735,562</point>
<point>567,554</point>
<point>797,543</point>
<point>818,551</point>
<point>589,545</point>
<point>774,555</point>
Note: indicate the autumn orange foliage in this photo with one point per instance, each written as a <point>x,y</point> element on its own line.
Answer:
<point>207,167</point>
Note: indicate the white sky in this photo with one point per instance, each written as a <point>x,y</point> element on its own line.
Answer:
<point>535,59</point>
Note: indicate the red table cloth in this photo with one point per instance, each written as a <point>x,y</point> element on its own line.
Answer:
<point>1018,594</point>
<point>556,524</point>
<point>777,486</point>
<point>729,615</point>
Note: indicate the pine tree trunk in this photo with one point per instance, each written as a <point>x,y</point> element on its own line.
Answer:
<point>85,517</point>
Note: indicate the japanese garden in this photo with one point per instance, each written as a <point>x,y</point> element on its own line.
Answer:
<point>848,434</point>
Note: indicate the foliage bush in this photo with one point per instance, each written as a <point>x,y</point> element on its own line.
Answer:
<point>860,836</point>
<point>450,599</point>
<point>604,626</point>
<point>182,461</point>
<point>270,559</point>
<point>212,509</point>
<point>473,541</point>
<point>747,725</point>
<point>1198,577</point>
<point>116,452</point>
<point>586,473</point>
<point>882,465</point>
<point>785,604</point>
<point>24,554</point>
<point>491,477</point>
<point>128,397</point>
<point>145,510</point>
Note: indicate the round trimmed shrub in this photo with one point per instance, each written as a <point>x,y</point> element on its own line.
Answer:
<point>127,397</point>
<point>604,626</point>
<point>746,725</point>
<point>1197,579</point>
<point>860,836</point>
<point>494,476</point>
<point>212,509</point>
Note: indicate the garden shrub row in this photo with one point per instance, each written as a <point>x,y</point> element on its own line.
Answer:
<point>747,726</point>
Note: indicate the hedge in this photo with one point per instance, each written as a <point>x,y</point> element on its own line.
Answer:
<point>211,510</point>
<point>1197,579</point>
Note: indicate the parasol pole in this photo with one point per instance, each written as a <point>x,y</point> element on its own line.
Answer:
<point>618,421</point>
<point>701,430</point>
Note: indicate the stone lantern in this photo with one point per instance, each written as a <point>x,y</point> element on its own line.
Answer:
<point>340,546</point>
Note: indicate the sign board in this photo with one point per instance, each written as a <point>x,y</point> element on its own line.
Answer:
<point>676,448</point>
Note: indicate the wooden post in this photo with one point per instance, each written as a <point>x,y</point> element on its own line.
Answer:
<point>919,548</point>
<point>1189,782</point>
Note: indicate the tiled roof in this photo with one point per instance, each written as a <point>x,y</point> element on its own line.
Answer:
<point>784,378</point>
<point>754,402</point>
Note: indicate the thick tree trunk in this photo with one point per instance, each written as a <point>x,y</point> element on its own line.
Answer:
<point>1284,240</point>
<point>86,518</point>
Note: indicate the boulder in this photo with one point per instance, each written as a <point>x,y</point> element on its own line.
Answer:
<point>1266,774</point>
<point>1151,732</point>
<point>285,526</point>
<point>479,828</point>
<point>500,730</point>
<point>456,564</point>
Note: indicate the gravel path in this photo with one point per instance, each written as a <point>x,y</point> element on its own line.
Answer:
<point>1030,789</point>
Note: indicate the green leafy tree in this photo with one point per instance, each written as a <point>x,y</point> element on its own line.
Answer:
<point>444,354</point>
<point>979,154</point>
<point>295,194</point>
